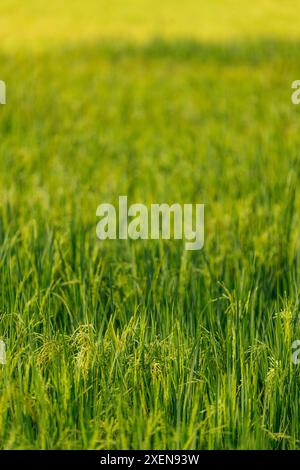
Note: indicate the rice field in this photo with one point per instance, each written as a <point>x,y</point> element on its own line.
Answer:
<point>141,344</point>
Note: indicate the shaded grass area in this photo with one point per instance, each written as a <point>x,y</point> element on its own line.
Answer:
<point>142,344</point>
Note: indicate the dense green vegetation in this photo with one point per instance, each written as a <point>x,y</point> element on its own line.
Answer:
<point>142,344</point>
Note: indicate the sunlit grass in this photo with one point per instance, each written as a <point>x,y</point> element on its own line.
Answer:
<point>142,344</point>
<point>39,23</point>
